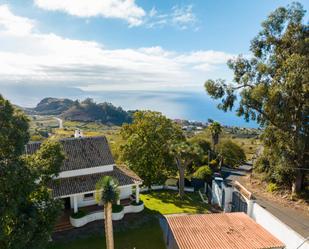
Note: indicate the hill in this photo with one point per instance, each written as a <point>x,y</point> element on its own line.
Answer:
<point>53,106</point>
<point>86,111</point>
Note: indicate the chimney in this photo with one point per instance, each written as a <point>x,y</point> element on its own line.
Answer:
<point>78,133</point>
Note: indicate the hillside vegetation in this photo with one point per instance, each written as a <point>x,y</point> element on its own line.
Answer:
<point>85,111</point>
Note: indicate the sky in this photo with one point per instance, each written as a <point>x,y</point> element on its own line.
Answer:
<point>91,46</point>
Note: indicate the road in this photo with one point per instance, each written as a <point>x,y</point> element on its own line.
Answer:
<point>296,219</point>
<point>60,121</point>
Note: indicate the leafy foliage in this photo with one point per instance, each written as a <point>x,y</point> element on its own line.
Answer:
<point>215,130</point>
<point>13,130</point>
<point>203,173</point>
<point>105,113</point>
<point>146,150</point>
<point>184,153</point>
<point>79,214</point>
<point>27,210</point>
<point>273,87</point>
<point>272,187</point>
<point>107,190</point>
<point>117,208</point>
<point>232,153</point>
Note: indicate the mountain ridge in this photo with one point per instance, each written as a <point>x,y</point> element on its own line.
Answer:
<point>86,110</point>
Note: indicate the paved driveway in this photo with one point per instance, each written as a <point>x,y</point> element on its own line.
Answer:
<point>296,219</point>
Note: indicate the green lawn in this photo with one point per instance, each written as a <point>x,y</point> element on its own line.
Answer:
<point>168,202</point>
<point>143,232</point>
<point>149,234</point>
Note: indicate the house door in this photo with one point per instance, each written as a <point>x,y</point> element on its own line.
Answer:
<point>239,203</point>
<point>67,203</point>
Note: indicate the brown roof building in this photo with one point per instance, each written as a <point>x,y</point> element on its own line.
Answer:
<point>218,231</point>
<point>87,159</point>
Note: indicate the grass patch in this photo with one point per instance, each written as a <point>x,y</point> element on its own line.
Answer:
<point>168,202</point>
<point>142,231</point>
<point>146,235</point>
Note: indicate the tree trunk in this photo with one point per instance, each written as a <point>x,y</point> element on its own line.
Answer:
<point>298,183</point>
<point>181,181</point>
<point>109,226</point>
<point>105,225</point>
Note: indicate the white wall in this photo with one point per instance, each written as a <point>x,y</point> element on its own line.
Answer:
<point>277,228</point>
<point>281,231</point>
<point>228,198</point>
<point>125,192</point>
<point>81,202</point>
<point>216,193</point>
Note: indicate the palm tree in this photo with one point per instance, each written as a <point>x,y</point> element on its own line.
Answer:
<point>215,130</point>
<point>107,192</point>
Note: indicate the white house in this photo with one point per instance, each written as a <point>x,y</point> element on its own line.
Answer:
<point>87,159</point>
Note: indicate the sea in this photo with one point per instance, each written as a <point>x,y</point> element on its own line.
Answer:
<point>189,105</point>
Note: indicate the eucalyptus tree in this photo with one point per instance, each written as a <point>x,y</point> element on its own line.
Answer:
<point>274,91</point>
<point>107,192</point>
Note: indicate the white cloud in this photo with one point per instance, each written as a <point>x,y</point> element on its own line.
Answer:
<point>181,17</point>
<point>51,59</point>
<point>12,24</point>
<point>121,9</point>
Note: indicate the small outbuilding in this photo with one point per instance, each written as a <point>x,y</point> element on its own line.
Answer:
<point>218,231</point>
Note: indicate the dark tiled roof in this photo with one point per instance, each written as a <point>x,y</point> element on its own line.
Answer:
<point>84,152</point>
<point>81,184</point>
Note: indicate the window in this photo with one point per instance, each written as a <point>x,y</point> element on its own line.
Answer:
<point>88,196</point>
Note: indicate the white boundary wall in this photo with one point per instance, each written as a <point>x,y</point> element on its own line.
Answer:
<point>99,215</point>
<point>160,187</point>
<point>276,227</point>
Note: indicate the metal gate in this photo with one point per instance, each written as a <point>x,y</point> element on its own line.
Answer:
<point>239,203</point>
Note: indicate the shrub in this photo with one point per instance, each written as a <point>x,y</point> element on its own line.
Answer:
<point>232,153</point>
<point>203,173</point>
<point>79,214</point>
<point>133,203</point>
<point>272,187</point>
<point>117,208</point>
<point>213,163</point>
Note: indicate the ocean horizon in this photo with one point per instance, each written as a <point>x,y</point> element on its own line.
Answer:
<point>189,105</point>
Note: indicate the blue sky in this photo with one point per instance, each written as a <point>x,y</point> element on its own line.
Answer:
<point>123,45</point>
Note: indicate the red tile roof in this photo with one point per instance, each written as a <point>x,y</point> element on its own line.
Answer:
<point>220,231</point>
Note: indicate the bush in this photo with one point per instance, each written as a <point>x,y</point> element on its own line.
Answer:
<point>203,173</point>
<point>133,203</point>
<point>117,208</point>
<point>261,164</point>
<point>79,214</point>
<point>233,154</point>
<point>272,187</point>
<point>213,164</point>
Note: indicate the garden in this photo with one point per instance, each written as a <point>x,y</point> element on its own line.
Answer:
<point>138,230</point>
